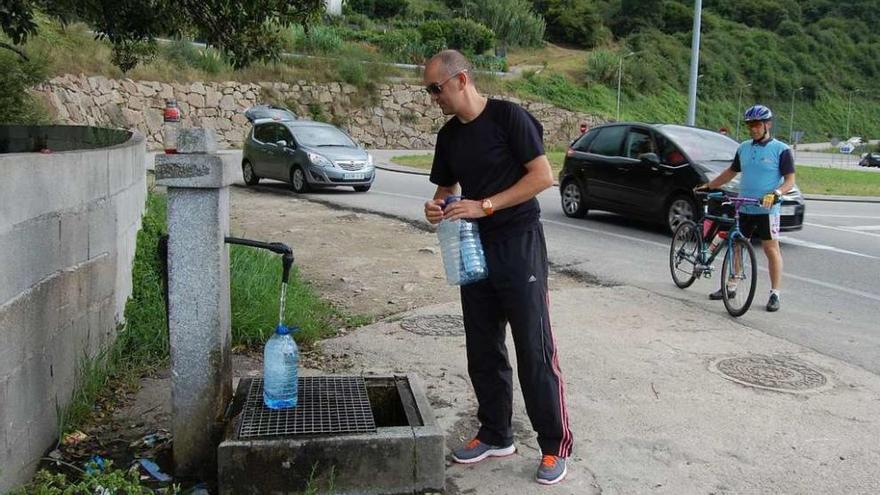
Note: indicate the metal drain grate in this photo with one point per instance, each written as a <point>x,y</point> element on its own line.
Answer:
<point>327,405</point>
<point>779,373</point>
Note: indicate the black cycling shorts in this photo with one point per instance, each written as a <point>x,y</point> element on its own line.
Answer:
<point>764,226</point>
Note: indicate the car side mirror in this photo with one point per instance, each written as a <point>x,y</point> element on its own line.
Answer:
<point>650,158</point>
<point>281,143</point>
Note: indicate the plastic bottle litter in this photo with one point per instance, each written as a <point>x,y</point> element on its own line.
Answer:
<point>463,258</point>
<point>170,126</point>
<point>280,360</point>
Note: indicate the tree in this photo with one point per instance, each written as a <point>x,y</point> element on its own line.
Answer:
<point>246,30</point>
<point>575,21</point>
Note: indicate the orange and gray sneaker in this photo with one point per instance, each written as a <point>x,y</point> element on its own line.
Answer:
<point>476,451</point>
<point>551,470</point>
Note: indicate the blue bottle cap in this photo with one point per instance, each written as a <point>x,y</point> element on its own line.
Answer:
<point>452,198</point>
<point>282,329</point>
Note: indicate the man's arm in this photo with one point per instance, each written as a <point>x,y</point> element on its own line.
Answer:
<point>787,184</point>
<point>539,176</point>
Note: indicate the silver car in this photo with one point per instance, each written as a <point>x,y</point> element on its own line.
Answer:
<point>305,154</point>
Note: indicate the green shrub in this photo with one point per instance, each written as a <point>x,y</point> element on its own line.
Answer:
<point>389,8</point>
<point>17,106</point>
<point>382,9</point>
<point>320,39</point>
<point>353,72</point>
<point>490,62</point>
<point>577,22</point>
<point>467,35</point>
<point>602,66</point>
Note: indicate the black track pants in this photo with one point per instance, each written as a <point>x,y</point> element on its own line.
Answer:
<point>515,292</point>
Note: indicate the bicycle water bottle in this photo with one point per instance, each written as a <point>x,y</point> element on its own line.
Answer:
<point>461,249</point>
<point>280,359</point>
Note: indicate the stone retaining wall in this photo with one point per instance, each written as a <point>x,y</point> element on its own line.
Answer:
<point>395,116</point>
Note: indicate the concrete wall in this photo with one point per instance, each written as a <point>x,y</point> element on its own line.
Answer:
<point>68,225</point>
<point>394,116</point>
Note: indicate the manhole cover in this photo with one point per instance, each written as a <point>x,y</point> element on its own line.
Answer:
<point>438,325</point>
<point>773,373</point>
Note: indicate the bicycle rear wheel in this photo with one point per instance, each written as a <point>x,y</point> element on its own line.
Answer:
<point>684,254</point>
<point>740,277</point>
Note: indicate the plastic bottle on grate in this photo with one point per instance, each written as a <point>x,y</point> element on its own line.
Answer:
<point>462,251</point>
<point>280,359</point>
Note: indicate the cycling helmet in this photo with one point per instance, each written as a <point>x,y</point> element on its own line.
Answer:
<point>757,113</point>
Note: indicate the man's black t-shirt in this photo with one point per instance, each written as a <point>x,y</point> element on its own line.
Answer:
<point>486,156</point>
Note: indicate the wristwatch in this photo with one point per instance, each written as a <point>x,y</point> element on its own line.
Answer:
<point>487,207</point>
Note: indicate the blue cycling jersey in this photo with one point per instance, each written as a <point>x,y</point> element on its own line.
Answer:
<point>763,165</point>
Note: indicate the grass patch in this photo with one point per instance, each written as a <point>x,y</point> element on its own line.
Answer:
<point>142,345</point>
<point>423,162</point>
<point>816,180</point>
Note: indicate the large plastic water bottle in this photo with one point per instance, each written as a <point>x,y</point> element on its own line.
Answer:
<point>462,251</point>
<point>280,359</point>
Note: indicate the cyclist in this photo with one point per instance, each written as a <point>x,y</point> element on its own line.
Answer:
<point>767,168</point>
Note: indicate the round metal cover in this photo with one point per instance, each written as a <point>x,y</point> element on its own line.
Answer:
<point>781,374</point>
<point>437,325</point>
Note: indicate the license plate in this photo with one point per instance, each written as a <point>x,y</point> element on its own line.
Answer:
<point>786,211</point>
<point>360,176</point>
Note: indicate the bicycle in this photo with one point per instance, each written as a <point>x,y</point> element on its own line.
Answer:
<point>691,254</point>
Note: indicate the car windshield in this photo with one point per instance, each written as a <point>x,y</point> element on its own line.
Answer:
<point>702,145</point>
<point>318,136</point>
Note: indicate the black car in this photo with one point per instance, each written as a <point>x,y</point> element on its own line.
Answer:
<point>648,171</point>
<point>870,160</point>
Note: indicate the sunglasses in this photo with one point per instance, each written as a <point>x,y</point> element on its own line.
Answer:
<point>437,88</point>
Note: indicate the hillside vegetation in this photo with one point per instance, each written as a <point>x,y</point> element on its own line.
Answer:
<point>819,58</point>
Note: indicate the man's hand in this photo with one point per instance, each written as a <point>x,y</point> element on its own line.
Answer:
<point>702,187</point>
<point>434,211</point>
<point>464,208</point>
<point>770,199</point>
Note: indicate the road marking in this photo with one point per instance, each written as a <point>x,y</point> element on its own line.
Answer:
<point>843,216</point>
<point>605,232</point>
<point>808,280</point>
<point>847,290</point>
<point>422,199</point>
<point>848,230</point>
<point>865,227</point>
<point>799,242</point>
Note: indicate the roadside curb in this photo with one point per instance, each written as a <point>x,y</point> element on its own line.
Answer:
<point>842,199</point>
<point>811,197</point>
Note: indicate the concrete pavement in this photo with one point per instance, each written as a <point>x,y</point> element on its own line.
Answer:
<point>658,401</point>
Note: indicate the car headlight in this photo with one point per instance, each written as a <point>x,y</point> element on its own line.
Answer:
<point>319,160</point>
<point>369,160</point>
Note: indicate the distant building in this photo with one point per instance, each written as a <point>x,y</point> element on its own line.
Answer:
<point>334,7</point>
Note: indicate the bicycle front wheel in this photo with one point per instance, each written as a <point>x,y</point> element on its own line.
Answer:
<point>741,277</point>
<point>684,253</point>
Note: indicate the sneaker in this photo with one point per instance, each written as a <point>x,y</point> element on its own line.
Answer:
<point>773,303</point>
<point>476,451</point>
<point>717,296</point>
<point>551,470</point>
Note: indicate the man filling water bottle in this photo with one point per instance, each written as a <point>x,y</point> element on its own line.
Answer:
<point>494,150</point>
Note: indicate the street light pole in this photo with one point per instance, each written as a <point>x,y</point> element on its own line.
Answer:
<point>695,63</point>
<point>849,111</point>
<point>739,108</point>
<point>619,77</point>
<point>791,121</point>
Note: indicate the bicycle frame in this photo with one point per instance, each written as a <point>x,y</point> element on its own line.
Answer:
<point>706,257</point>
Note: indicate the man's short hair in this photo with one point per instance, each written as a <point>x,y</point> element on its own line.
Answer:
<point>452,61</point>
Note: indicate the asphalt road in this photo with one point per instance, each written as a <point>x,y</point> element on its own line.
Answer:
<point>832,268</point>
